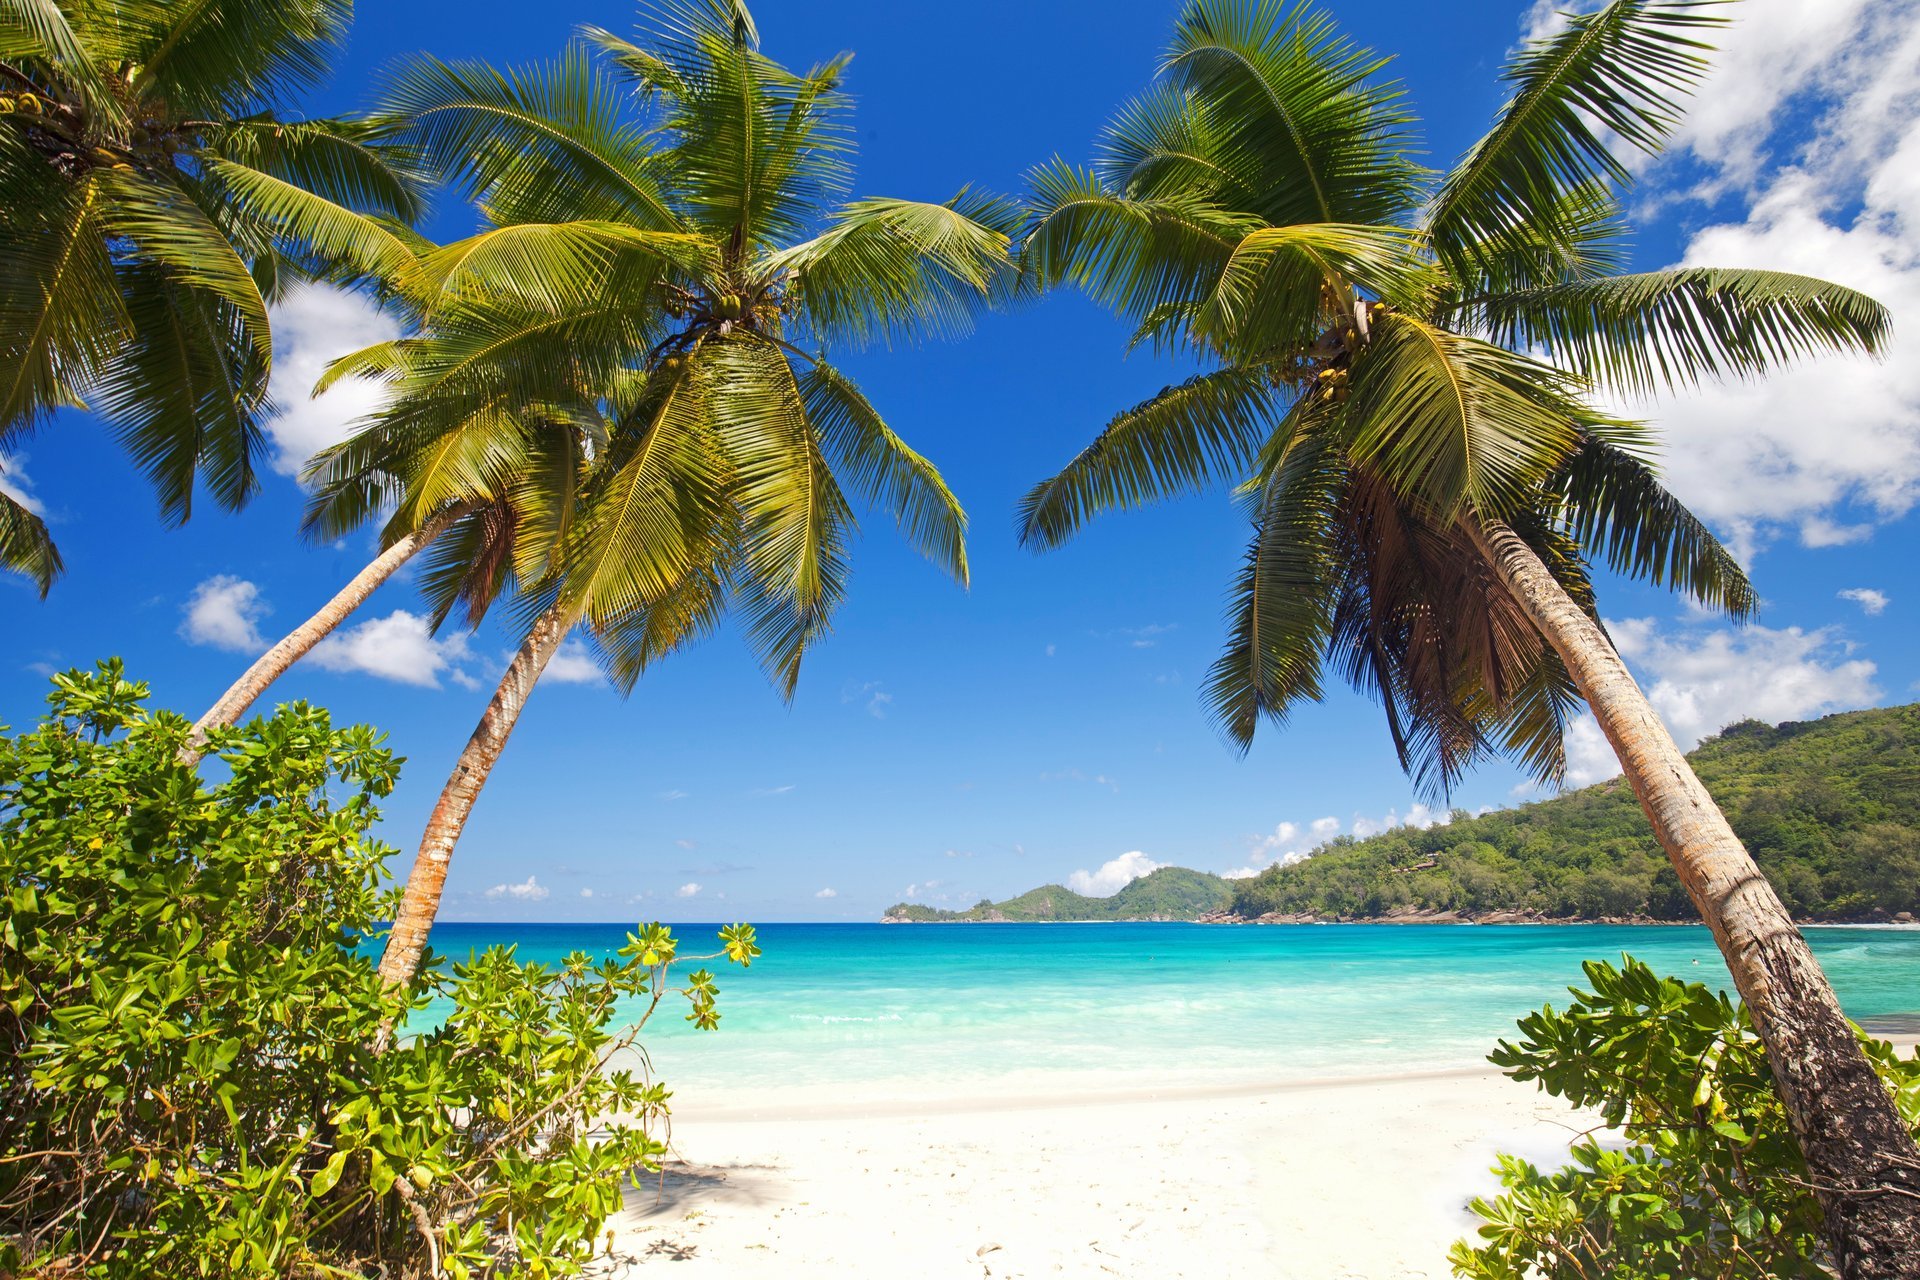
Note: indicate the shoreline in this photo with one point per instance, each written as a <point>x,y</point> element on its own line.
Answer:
<point>1495,919</point>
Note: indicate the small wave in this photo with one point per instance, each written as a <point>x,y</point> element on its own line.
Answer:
<point>827,1019</point>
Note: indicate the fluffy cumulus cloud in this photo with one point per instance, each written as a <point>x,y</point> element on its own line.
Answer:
<point>1112,876</point>
<point>688,890</point>
<point>827,893</point>
<point>528,890</point>
<point>573,665</point>
<point>1872,603</point>
<point>1290,842</point>
<point>312,326</point>
<point>1809,131</point>
<point>399,647</point>
<point>225,612</point>
<point>1702,679</point>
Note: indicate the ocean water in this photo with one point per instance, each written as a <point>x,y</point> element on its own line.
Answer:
<point>980,1008</point>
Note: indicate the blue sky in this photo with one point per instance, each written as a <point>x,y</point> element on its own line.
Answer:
<point>1047,722</point>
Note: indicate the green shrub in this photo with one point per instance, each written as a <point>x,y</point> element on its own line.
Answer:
<point>189,1010</point>
<point>1707,1180</point>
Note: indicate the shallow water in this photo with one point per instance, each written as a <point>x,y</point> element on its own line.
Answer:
<point>973,1007</point>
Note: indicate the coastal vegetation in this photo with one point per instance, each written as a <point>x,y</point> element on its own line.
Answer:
<point>1167,893</point>
<point>1403,377</point>
<point>1830,809</point>
<point>190,1018</point>
<point>1707,1181</point>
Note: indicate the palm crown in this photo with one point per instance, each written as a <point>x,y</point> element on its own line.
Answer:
<point>152,201</point>
<point>1401,355</point>
<point>624,367</point>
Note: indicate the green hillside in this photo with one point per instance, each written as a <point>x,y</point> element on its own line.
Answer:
<point>1171,893</point>
<point>1830,808</point>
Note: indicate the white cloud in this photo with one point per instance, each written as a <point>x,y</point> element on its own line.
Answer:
<point>397,647</point>
<point>528,890</point>
<point>872,693</point>
<point>827,893</point>
<point>1701,680</point>
<point>15,483</point>
<point>1871,602</point>
<point>1113,875</point>
<point>573,665</point>
<point>687,890</point>
<point>225,612</point>
<point>1288,843</point>
<point>675,794</point>
<point>312,326</point>
<point>586,893</point>
<point>1418,816</point>
<point>1829,447</point>
<point>773,791</point>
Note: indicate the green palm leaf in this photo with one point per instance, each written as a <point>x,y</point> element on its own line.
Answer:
<point>1272,293</point>
<point>1659,330</point>
<point>1278,615</point>
<point>1297,110</point>
<point>1206,428</point>
<point>1616,508</point>
<point>26,546</point>
<point>901,268</point>
<point>877,464</point>
<point>1451,421</point>
<point>1617,73</point>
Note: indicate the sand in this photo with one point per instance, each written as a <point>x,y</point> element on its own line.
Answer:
<point>1308,1181</point>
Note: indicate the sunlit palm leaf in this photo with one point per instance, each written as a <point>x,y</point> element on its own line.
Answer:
<point>878,465</point>
<point>26,547</point>
<point>1451,421</point>
<point>1661,330</point>
<point>1207,428</point>
<point>1617,75</point>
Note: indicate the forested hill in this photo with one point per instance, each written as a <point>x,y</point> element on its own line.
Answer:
<point>1171,893</point>
<point>1831,808</point>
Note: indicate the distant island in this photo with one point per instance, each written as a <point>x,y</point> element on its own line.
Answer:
<point>1170,893</point>
<point>1830,808</point>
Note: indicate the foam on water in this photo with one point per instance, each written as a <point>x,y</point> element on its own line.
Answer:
<point>974,1006</point>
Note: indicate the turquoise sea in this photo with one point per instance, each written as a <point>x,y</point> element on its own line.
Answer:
<point>980,1008</point>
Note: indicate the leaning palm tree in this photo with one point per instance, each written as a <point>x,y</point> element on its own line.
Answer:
<point>153,199</point>
<point>1401,366</point>
<point>677,251</point>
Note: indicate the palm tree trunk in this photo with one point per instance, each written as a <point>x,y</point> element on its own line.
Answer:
<point>421,902</point>
<point>1863,1162</point>
<point>273,664</point>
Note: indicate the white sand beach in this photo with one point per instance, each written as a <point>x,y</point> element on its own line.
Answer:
<point>1314,1181</point>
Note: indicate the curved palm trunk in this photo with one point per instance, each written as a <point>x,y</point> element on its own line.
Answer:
<point>421,902</point>
<point>1863,1162</point>
<point>273,664</point>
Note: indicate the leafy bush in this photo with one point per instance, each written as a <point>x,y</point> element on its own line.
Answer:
<point>1709,1181</point>
<point>190,1010</point>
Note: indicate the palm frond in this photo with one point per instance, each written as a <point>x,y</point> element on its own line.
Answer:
<point>228,57</point>
<point>1661,330</point>
<point>1298,112</point>
<point>901,268</point>
<point>1615,507</point>
<point>1451,421</point>
<point>357,245</point>
<point>879,465</point>
<point>1272,294</point>
<point>1279,615</point>
<point>1204,429</point>
<point>187,392</point>
<point>1618,73</point>
<point>1133,256</point>
<point>26,546</point>
<point>62,319</point>
<point>791,571</point>
<point>540,144</point>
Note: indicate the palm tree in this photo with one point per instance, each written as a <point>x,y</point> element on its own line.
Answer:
<point>152,202</point>
<point>677,251</point>
<point>1426,494</point>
